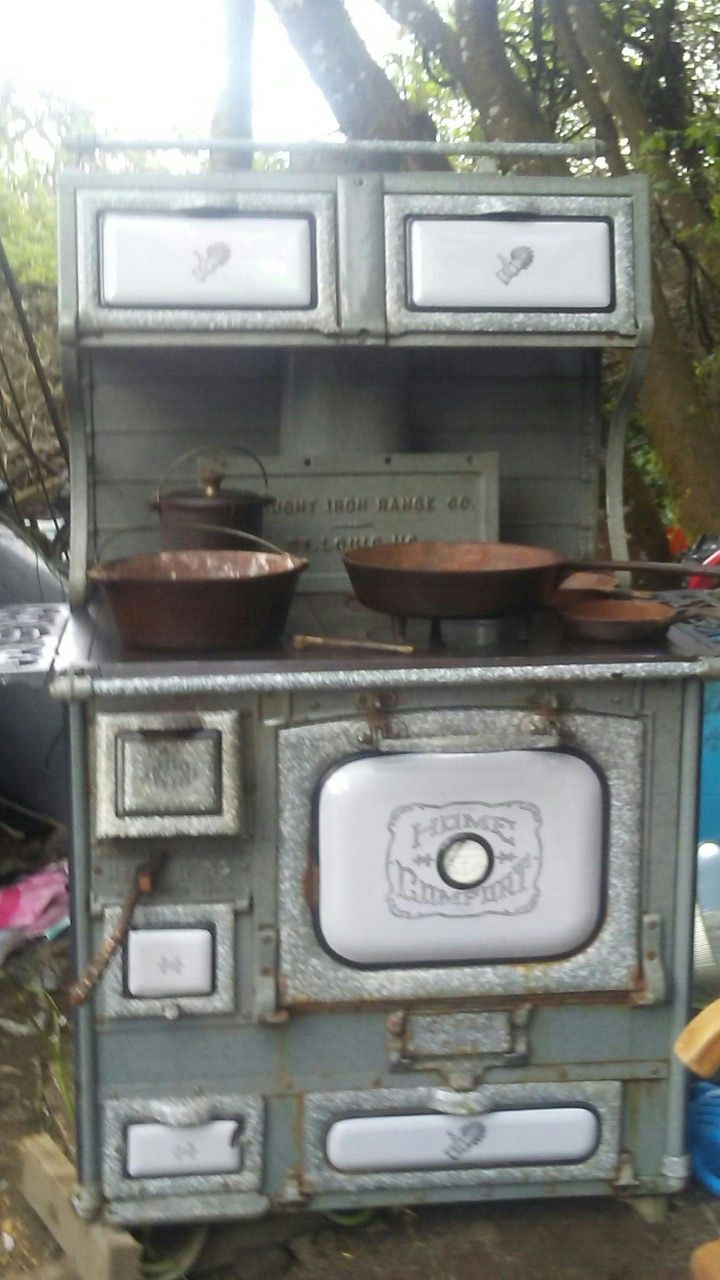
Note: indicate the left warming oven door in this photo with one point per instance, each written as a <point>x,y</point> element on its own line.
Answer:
<point>170,785</point>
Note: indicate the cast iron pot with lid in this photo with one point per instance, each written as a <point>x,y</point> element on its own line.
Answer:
<point>210,516</point>
<point>202,600</point>
<point>469,579</point>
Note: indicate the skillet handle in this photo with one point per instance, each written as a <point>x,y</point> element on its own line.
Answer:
<point>643,566</point>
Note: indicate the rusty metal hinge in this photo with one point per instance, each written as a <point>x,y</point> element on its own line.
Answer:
<point>653,986</point>
<point>375,708</point>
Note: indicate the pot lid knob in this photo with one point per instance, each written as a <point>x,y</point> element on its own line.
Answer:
<point>210,481</point>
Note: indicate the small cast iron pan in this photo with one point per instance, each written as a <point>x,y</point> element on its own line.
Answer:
<point>617,621</point>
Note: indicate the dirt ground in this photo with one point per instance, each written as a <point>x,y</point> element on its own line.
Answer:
<point>539,1240</point>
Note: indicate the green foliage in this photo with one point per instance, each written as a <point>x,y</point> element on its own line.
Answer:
<point>31,137</point>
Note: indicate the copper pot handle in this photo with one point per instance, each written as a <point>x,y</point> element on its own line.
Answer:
<point>209,528</point>
<point>199,451</point>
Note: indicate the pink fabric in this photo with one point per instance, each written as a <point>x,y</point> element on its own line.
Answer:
<point>35,902</point>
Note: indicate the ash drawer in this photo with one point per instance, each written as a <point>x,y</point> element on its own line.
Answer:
<point>167,774</point>
<point>175,1145</point>
<point>185,260</point>
<point>176,959</point>
<point>434,1137</point>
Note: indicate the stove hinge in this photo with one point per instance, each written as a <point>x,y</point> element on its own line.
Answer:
<point>375,708</point>
<point>652,987</point>
<point>265,1005</point>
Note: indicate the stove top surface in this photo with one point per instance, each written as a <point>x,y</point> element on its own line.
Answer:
<point>40,640</point>
<point>92,644</point>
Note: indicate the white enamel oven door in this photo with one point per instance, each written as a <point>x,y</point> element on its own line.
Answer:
<point>496,867</point>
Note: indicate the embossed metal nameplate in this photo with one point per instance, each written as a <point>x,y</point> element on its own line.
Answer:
<point>324,506</point>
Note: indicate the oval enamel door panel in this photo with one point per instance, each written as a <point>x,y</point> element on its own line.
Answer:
<point>510,263</point>
<point>538,1135</point>
<point>176,260</point>
<point>440,858</point>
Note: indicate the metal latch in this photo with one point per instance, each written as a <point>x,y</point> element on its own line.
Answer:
<point>460,1046</point>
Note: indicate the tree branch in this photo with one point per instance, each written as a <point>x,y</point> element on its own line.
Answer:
<point>430,30</point>
<point>365,103</point>
<point>600,117</point>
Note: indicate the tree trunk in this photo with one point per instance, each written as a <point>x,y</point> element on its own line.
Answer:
<point>233,115</point>
<point>679,425</point>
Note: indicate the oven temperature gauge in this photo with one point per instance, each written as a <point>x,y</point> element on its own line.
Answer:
<point>465,861</point>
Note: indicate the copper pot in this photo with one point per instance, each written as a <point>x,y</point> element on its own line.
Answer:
<point>203,600</point>
<point>210,516</point>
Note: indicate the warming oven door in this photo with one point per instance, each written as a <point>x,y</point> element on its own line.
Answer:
<point>467,857</point>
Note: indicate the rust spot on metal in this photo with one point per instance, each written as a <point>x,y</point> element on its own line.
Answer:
<point>311,884</point>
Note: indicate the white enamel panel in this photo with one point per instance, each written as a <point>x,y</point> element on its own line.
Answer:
<point>387,823</point>
<point>543,1135</point>
<point>169,962</point>
<point>171,260</point>
<point>515,264</point>
<point>159,1150</point>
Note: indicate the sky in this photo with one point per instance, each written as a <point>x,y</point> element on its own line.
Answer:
<point>152,68</point>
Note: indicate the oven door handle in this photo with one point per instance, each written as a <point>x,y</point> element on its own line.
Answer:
<point>530,733</point>
<point>454,1102</point>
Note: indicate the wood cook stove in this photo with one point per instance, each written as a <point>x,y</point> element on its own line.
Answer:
<point>422,930</point>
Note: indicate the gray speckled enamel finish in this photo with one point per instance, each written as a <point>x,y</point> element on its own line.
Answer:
<point>608,963</point>
<point>108,733</point>
<point>125,685</point>
<point>115,1003</point>
<point>322,1109</point>
<point>401,319</point>
<point>446,1035</point>
<point>119,1113</point>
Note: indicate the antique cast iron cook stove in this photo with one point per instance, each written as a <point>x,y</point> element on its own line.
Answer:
<point>423,928</point>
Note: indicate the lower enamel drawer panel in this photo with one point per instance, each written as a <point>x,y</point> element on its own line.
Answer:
<point>182,1145</point>
<point>508,1133</point>
<point>544,1135</point>
<point>160,1150</point>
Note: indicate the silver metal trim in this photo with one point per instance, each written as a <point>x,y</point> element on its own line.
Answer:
<point>220,1207</point>
<point>608,963</point>
<point>588,148</point>
<point>92,315</point>
<point>321,1109</point>
<point>118,1113</point>
<point>106,727</point>
<point>222,681</point>
<point>114,1003</point>
<point>401,319</point>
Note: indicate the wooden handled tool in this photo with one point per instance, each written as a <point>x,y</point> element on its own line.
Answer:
<point>698,1046</point>
<point>335,642</point>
